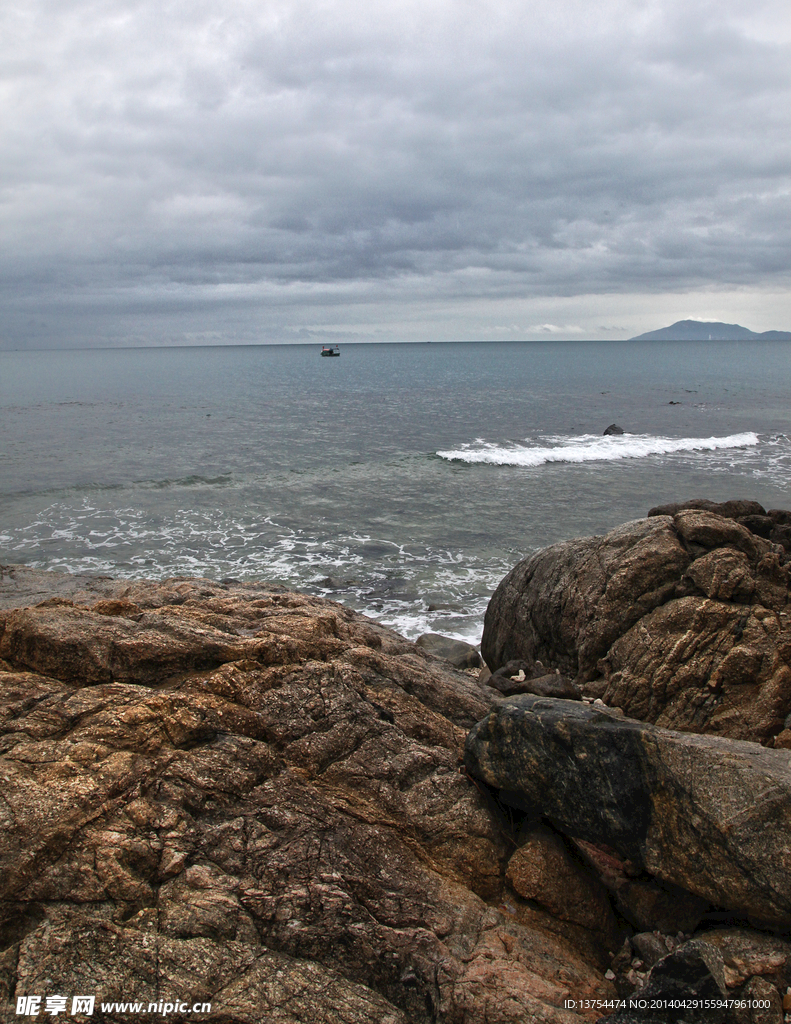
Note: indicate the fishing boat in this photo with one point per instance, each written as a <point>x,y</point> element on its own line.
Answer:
<point>330,350</point>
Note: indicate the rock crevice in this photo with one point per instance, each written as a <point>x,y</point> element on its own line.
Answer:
<point>252,798</point>
<point>681,620</point>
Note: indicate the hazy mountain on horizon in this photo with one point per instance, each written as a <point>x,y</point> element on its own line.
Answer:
<point>701,330</point>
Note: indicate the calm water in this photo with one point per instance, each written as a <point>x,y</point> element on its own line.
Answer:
<point>404,480</point>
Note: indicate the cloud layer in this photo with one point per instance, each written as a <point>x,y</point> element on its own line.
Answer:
<point>173,169</point>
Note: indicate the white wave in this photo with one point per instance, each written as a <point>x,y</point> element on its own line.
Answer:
<point>591,448</point>
<point>397,587</point>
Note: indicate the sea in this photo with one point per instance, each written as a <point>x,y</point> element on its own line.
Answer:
<point>403,480</point>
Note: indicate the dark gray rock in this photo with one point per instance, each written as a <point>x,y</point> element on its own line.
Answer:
<point>694,972</point>
<point>649,947</point>
<point>457,652</point>
<point>551,684</point>
<point>613,429</point>
<point>761,526</point>
<point>333,583</point>
<point>707,814</point>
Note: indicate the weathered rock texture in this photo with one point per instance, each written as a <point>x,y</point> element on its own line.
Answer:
<point>680,619</point>
<point>708,814</point>
<point>691,975</point>
<point>244,796</point>
<point>543,869</point>
<point>457,652</point>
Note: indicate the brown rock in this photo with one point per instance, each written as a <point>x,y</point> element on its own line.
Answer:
<point>252,798</point>
<point>256,983</point>
<point>747,954</point>
<point>722,575</point>
<point>774,525</point>
<point>127,609</point>
<point>543,869</point>
<point>767,1004</point>
<point>783,740</point>
<point>567,604</point>
<point>644,902</point>
<point>683,622</point>
<point>707,530</point>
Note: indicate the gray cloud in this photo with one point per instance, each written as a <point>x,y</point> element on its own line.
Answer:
<point>172,169</point>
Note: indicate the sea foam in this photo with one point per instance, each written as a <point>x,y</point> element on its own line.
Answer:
<point>591,448</point>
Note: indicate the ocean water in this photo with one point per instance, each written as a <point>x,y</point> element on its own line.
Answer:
<point>402,480</point>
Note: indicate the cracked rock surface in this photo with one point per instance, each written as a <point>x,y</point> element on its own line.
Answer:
<point>234,794</point>
<point>710,815</point>
<point>681,619</point>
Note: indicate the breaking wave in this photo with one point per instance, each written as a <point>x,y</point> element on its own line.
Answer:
<point>590,448</point>
<point>412,587</point>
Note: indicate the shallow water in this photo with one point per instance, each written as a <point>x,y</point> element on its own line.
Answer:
<point>404,480</point>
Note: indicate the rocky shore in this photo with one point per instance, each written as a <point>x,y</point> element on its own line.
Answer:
<point>233,794</point>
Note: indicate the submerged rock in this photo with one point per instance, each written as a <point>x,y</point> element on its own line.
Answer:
<point>710,815</point>
<point>459,653</point>
<point>252,798</point>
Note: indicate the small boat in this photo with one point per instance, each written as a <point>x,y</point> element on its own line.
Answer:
<point>330,350</point>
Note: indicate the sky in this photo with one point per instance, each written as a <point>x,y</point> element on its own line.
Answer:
<point>182,173</point>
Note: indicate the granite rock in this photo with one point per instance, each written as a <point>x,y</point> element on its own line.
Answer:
<point>707,814</point>
<point>747,954</point>
<point>459,653</point>
<point>641,900</point>
<point>764,1004</point>
<point>252,798</point>
<point>544,869</point>
<point>681,620</point>
<point>691,975</point>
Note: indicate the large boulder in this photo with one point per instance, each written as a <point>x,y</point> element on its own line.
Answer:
<point>568,603</point>
<point>710,815</point>
<point>681,620</point>
<point>251,798</point>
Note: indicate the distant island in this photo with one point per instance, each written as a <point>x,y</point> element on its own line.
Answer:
<point>701,330</point>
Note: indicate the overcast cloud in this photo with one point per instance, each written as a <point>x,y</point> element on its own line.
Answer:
<point>177,172</point>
